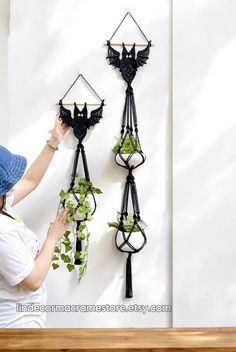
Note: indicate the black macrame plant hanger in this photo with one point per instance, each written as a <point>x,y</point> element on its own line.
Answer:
<point>128,65</point>
<point>80,124</point>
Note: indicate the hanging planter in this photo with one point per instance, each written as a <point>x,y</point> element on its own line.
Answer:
<point>80,197</point>
<point>130,236</point>
<point>80,211</point>
<point>128,152</point>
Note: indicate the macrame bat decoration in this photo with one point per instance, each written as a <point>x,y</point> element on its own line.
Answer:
<point>129,62</point>
<point>80,123</point>
<point>128,152</point>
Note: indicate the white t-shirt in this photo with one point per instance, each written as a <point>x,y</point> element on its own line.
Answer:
<point>19,247</point>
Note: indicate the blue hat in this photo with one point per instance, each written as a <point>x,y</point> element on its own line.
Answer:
<point>12,168</point>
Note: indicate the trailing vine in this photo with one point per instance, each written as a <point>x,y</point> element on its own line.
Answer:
<point>77,200</point>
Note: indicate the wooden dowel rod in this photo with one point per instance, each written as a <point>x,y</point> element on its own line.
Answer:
<point>127,44</point>
<point>90,104</point>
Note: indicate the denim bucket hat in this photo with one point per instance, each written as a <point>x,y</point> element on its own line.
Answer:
<point>12,168</point>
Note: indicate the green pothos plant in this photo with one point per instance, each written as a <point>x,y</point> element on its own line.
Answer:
<point>128,223</point>
<point>127,146</point>
<point>78,201</point>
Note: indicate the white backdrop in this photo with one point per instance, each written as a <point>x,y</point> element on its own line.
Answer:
<point>4,28</point>
<point>204,163</point>
<point>50,42</point>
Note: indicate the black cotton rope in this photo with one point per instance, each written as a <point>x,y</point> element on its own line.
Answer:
<point>128,63</point>
<point>80,124</point>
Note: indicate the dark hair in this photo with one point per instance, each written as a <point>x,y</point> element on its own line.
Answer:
<point>3,202</point>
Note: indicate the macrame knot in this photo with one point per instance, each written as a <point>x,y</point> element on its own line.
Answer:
<point>129,90</point>
<point>80,146</point>
<point>130,178</point>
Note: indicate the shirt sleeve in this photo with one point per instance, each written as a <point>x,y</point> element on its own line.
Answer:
<point>16,263</point>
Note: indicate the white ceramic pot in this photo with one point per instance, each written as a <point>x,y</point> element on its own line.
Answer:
<point>78,216</point>
<point>136,240</point>
<point>135,159</point>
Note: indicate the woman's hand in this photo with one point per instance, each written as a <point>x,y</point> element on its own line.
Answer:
<point>43,260</point>
<point>58,131</point>
<point>59,226</point>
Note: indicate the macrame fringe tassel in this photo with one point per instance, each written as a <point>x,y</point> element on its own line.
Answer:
<point>78,249</point>
<point>129,290</point>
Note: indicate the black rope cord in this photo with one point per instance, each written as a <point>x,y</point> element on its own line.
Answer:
<point>130,189</point>
<point>89,85</point>
<point>80,151</point>
<point>128,63</point>
<point>80,124</point>
<point>128,13</point>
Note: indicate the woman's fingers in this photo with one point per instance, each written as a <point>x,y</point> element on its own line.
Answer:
<point>61,216</point>
<point>59,121</point>
<point>59,226</point>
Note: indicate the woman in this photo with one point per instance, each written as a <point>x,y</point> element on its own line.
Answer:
<point>23,265</point>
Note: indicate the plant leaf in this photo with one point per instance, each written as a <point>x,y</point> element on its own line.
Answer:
<point>70,267</point>
<point>118,216</point>
<point>82,199</point>
<point>113,224</point>
<point>82,227</point>
<point>89,217</point>
<point>81,270</point>
<point>80,235</point>
<point>55,266</point>
<point>96,190</point>
<point>68,219</point>
<point>82,209</point>
<point>64,195</point>
<point>66,242</point>
<point>66,234</point>
<point>55,257</point>
<point>77,255</point>
<point>67,259</point>
<point>68,248</point>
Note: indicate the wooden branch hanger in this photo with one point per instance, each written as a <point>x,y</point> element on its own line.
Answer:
<point>82,104</point>
<point>128,44</point>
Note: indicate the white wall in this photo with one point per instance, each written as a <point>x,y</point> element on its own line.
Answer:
<point>47,48</point>
<point>4,27</point>
<point>204,163</point>
<point>50,42</point>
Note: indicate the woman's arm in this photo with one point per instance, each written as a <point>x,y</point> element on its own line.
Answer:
<point>35,173</point>
<point>43,260</point>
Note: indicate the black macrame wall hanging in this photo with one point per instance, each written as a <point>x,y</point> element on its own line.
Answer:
<point>79,198</point>
<point>130,235</point>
